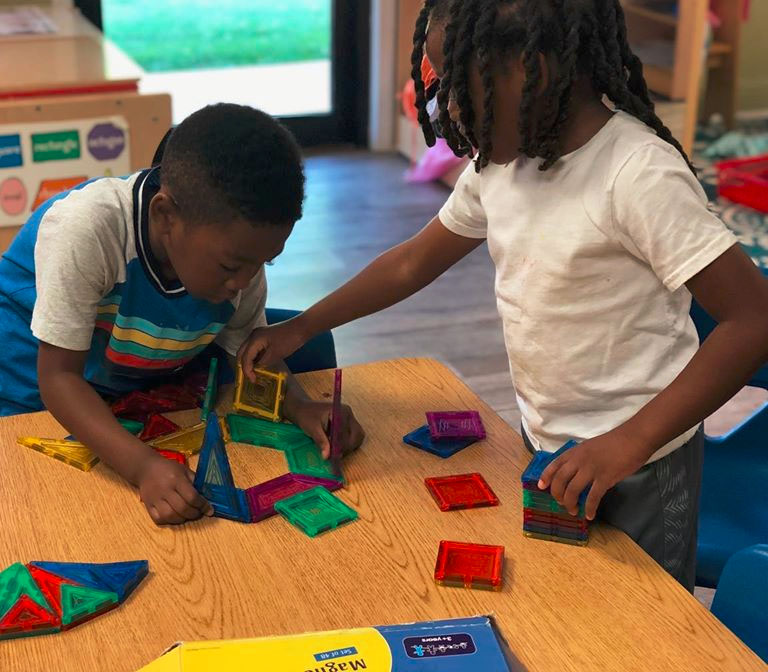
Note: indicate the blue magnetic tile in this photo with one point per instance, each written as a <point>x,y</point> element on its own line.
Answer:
<point>421,438</point>
<point>541,460</point>
<point>229,503</point>
<point>116,577</point>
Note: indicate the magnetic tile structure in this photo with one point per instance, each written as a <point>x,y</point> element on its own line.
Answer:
<point>262,498</point>
<point>42,598</point>
<point>447,432</point>
<point>308,472</point>
<point>543,517</point>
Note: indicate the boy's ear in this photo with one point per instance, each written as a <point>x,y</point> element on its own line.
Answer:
<point>162,211</point>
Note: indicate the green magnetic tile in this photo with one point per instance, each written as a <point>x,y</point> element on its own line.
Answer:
<point>81,602</point>
<point>307,459</point>
<point>133,426</point>
<point>16,581</point>
<point>211,389</point>
<point>315,511</point>
<point>257,432</point>
<point>545,502</point>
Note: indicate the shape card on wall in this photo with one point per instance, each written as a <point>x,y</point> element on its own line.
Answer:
<point>40,160</point>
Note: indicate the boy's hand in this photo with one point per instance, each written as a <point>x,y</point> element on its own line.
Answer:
<point>268,346</point>
<point>314,418</point>
<point>166,489</point>
<point>600,462</point>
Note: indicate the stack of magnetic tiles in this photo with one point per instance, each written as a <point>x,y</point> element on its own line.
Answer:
<point>543,517</point>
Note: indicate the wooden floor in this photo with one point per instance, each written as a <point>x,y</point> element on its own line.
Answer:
<point>358,206</point>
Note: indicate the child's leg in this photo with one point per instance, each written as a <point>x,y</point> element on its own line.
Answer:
<point>658,507</point>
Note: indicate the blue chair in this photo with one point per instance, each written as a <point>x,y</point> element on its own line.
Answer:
<point>315,355</point>
<point>741,599</point>
<point>734,489</point>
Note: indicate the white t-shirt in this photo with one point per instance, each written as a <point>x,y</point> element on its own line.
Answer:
<point>592,257</point>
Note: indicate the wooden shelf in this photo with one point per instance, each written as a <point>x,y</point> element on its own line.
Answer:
<point>659,79</point>
<point>650,13</point>
<point>720,48</point>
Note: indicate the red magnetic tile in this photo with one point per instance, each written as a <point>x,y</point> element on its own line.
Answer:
<point>158,425</point>
<point>50,586</point>
<point>164,399</point>
<point>464,491</point>
<point>455,425</point>
<point>554,519</point>
<point>27,616</point>
<point>173,455</point>
<point>469,565</point>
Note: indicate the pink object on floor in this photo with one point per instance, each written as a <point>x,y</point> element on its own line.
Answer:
<point>436,162</point>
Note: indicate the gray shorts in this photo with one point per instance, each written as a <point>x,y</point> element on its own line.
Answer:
<point>658,507</point>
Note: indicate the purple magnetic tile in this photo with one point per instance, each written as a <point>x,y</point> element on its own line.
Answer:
<point>455,425</point>
<point>261,498</point>
<point>335,428</point>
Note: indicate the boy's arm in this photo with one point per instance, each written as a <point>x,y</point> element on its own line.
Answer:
<point>735,293</point>
<point>165,486</point>
<point>392,277</point>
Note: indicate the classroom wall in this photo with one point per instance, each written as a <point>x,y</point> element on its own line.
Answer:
<point>753,73</point>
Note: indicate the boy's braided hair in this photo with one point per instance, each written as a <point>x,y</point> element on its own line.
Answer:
<point>579,36</point>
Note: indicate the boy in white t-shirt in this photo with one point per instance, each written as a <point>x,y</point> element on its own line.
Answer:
<point>600,234</point>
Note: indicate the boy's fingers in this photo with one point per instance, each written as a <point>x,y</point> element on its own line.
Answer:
<point>561,479</point>
<point>166,515</point>
<point>181,507</point>
<point>154,514</point>
<point>355,433</point>
<point>250,354</point>
<point>192,497</point>
<point>318,435</point>
<point>548,474</point>
<point>574,489</point>
<point>594,498</point>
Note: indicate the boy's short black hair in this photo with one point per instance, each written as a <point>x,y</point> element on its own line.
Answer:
<point>232,160</point>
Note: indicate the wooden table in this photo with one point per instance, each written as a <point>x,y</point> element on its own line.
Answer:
<point>604,607</point>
